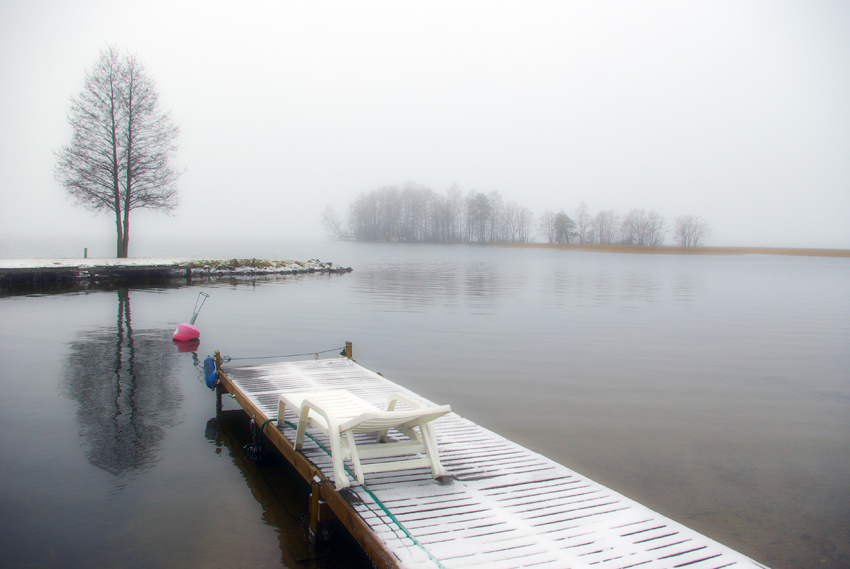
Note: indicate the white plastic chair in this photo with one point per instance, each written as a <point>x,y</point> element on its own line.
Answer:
<point>340,414</point>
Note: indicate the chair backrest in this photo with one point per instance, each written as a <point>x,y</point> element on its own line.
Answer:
<point>342,404</point>
<point>381,420</point>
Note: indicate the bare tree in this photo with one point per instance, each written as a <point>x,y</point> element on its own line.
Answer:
<point>525,224</point>
<point>365,216</point>
<point>118,157</point>
<point>606,226</point>
<point>454,214</point>
<point>642,228</point>
<point>479,210</point>
<point>438,218</point>
<point>690,230</point>
<point>416,213</point>
<point>546,225</point>
<point>89,168</point>
<point>516,223</point>
<point>333,225</point>
<point>496,217</point>
<point>584,224</point>
<point>656,228</point>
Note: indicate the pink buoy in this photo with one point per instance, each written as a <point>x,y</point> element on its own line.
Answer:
<point>188,331</point>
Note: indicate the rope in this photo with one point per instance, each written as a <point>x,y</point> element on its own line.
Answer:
<point>372,495</point>
<point>263,426</point>
<point>258,433</point>
<point>229,359</point>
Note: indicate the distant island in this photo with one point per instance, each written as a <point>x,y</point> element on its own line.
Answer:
<point>415,214</point>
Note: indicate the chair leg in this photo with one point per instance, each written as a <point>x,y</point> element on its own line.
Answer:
<point>303,423</point>
<point>355,458</point>
<point>299,436</point>
<point>281,409</point>
<point>337,457</point>
<point>430,441</point>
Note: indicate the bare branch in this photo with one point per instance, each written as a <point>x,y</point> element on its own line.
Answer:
<point>333,225</point>
<point>118,157</point>
<point>691,230</point>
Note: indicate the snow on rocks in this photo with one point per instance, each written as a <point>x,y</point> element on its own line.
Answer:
<point>263,267</point>
<point>63,270</point>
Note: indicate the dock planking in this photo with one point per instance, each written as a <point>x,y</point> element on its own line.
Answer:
<point>502,506</point>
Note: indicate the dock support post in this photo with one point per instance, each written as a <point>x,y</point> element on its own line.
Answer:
<point>349,350</point>
<point>317,533</point>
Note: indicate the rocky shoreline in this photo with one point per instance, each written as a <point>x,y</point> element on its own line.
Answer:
<point>38,271</point>
<point>262,267</point>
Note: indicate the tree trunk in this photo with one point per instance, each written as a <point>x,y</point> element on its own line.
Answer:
<point>125,248</point>
<point>120,234</point>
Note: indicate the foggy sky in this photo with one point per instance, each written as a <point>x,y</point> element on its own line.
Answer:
<point>737,111</point>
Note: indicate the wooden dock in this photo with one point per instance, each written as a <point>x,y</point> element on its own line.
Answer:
<point>502,506</point>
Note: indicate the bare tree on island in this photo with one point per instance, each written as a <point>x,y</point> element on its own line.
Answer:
<point>333,225</point>
<point>690,230</point>
<point>118,157</point>
<point>640,227</point>
<point>414,213</point>
<point>606,227</point>
<point>584,224</point>
<point>546,225</point>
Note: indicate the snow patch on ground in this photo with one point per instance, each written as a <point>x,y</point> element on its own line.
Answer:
<point>89,263</point>
<point>49,270</point>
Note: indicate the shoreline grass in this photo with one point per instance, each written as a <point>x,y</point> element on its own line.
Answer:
<point>675,250</point>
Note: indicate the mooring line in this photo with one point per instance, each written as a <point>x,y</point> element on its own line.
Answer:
<point>226,359</point>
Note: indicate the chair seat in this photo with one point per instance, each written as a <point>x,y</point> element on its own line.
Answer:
<point>340,414</point>
<point>344,405</point>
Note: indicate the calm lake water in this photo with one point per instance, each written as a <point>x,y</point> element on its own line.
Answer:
<point>713,389</point>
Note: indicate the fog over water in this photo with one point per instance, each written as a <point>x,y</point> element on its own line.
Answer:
<point>713,389</point>
<point>736,111</point>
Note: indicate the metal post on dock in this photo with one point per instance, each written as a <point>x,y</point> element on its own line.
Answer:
<point>320,513</point>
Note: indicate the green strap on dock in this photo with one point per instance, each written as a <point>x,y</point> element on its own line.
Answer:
<point>380,504</point>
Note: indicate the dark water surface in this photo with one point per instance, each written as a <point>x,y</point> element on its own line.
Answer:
<point>715,390</point>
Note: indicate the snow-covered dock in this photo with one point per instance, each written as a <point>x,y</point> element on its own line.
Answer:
<point>502,505</point>
<point>57,270</point>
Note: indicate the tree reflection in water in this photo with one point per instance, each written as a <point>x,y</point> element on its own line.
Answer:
<point>122,381</point>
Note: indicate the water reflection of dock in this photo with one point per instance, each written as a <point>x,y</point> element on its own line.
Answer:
<point>281,493</point>
<point>502,506</point>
